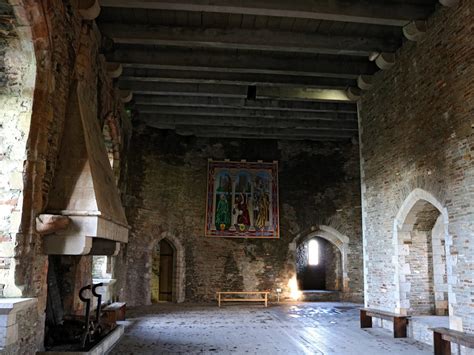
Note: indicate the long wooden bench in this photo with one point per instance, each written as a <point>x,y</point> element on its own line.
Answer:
<point>220,297</point>
<point>443,337</point>
<point>400,322</point>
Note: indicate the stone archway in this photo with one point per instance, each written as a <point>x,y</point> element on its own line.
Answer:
<point>337,239</point>
<point>179,273</point>
<point>423,261</point>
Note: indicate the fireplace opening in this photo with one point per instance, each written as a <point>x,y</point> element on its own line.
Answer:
<point>75,318</point>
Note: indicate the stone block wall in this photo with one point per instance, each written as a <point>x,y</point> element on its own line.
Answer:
<point>416,134</point>
<point>318,185</point>
<point>48,47</point>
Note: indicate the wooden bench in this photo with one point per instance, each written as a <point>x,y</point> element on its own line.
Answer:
<point>443,337</point>
<point>114,312</point>
<point>243,293</point>
<point>400,322</point>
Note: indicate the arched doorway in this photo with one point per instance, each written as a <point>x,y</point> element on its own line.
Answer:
<point>319,265</point>
<point>179,269</point>
<point>423,256</point>
<point>163,271</point>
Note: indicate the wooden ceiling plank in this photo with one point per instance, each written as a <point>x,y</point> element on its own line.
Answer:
<point>210,77</point>
<point>237,121</point>
<point>261,104</point>
<point>261,132</point>
<point>260,40</point>
<point>390,14</point>
<point>217,90</point>
<point>329,116</point>
<point>241,63</point>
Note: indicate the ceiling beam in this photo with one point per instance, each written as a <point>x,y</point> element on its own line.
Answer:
<point>395,14</point>
<point>172,121</point>
<point>213,77</point>
<point>242,112</point>
<point>231,62</point>
<point>259,40</point>
<point>215,90</point>
<point>212,90</point>
<point>261,104</point>
<point>258,133</point>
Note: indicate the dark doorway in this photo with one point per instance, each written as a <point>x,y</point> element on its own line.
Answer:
<point>161,286</point>
<point>166,271</point>
<point>318,265</point>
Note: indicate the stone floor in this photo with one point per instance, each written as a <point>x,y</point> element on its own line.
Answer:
<point>290,328</point>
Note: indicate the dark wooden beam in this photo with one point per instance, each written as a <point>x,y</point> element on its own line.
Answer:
<point>242,112</point>
<point>391,14</point>
<point>259,40</point>
<point>261,133</point>
<point>173,121</point>
<point>211,90</point>
<point>231,62</point>
<point>215,90</point>
<point>214,77</point>
<point>261,104</point>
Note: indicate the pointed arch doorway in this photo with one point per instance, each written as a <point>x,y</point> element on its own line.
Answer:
<point>163,272</point>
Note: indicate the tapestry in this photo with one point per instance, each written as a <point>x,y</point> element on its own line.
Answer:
<point>242,200</point>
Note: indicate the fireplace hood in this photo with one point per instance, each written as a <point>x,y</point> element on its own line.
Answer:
<point>84,190</point>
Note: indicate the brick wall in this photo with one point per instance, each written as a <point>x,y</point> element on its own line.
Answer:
<point>417,133</point>
<point>319,184</point>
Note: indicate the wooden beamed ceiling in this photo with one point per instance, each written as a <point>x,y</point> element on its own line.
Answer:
<point>254,69</point>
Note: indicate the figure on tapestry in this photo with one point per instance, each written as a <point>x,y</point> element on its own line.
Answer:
<point>223,191</point>
<point>261,195</point>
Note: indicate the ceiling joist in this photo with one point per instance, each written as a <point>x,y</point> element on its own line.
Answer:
<point>242,112</point>
<point>250,122</point>
<point>240,103</point>
<point>390,14</point>
<point>348,68</point>
<point>214,77</point>
<point>259,40</point>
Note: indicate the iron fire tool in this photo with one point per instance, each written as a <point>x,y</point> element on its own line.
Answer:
<point>86,337</point>
<point>99,302</point>
<point>92,329</point>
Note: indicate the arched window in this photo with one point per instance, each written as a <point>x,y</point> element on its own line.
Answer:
<point>313,252</point>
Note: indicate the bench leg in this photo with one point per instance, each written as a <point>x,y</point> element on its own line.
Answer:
<point>365,320</point>
<point>400,327</point>
<point>441,346</point>
<point>266,300</point>
<point>219,300</point>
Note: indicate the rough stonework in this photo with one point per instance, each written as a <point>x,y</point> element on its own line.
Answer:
<point>319,185</point>
<point>48,47</point>
<point>417,143</point>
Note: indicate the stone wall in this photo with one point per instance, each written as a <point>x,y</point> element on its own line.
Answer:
<point>17,78</point>
<point>50,47</point>
<point>319,185</point>
<point>417,142</point>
